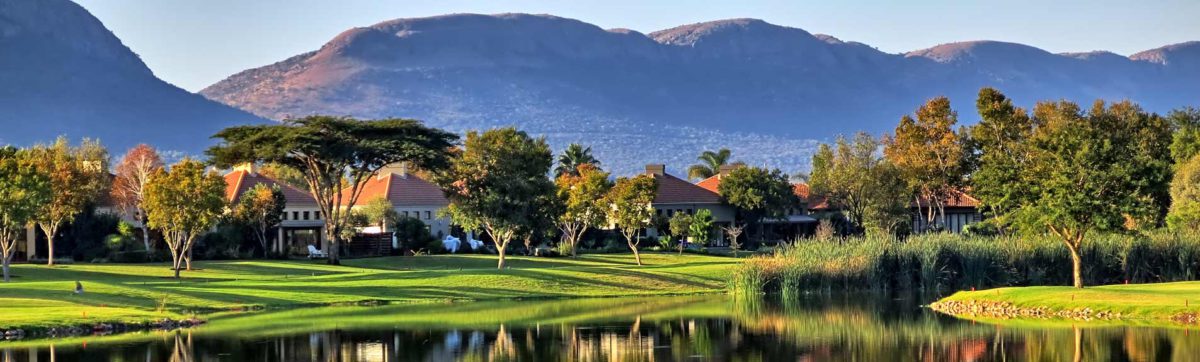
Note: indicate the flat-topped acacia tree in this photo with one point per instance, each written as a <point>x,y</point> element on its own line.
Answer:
<point>498,183</point>
<point>335,154</point>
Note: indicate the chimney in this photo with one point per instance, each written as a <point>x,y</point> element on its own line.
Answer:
<point>398,168</point>
<point>725,169</point>
<point>656,169</point>
<point>249,167</point>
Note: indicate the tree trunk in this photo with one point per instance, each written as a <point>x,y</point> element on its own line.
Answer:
<point>187,258</point>
<point>146,238</point>
<point>176,261</point>
<point>50,231</point>
<point>633,246</point>
<point>332,255</point>
<point>500,247</point>
<point>1076,265</point>
<point>5,262</point>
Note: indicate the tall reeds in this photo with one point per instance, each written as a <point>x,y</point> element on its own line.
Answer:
<point>932,262</point>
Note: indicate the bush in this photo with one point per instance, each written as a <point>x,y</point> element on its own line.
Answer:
<point>413,234</point>
<point>947,261</point>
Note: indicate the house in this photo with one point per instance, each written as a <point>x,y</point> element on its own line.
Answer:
<point>301,224</point>
<point>961,210</point>
<point>677,195</point>
<point>410,195</point>
<point>796,223</point>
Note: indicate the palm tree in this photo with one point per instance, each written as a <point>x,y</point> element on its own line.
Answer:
<point>571,158</point>
<point>710,164</point>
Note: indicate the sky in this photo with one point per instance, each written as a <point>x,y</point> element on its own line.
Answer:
<point>195,43</point>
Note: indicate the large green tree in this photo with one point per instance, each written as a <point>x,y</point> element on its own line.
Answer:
<point>24,189</point>
<point>335,154</point>
<point>572,158</point>
<point>1185,142</point>
<point>930,156</point>
<point>497,183</point>
<point>1103,170</point>
<point>998,154</point>
<point>864,187</point>
<point>1185,197</point>
<point>630,208</point>
<point>261,208</point>
<point>758,194</point>
<point>582,197</point>
<point>710,164</point>
<point>78,177</point>
<point>184,203</point>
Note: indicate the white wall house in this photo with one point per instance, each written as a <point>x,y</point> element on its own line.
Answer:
<point>410,195</point>
<point>675,195</point>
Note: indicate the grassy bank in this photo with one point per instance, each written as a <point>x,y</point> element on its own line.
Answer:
<point>40,296</point>
<point>957,262</point>
<point>1148,304</point>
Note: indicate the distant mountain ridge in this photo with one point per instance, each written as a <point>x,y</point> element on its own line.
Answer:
<point>63,73</point>
<point>764,90</point>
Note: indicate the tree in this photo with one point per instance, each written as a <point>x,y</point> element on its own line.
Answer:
<point>380,212</point>
<point>261,208</point>
<point>582,197</point>
<point>997,153</point>
<point>572,158</point>
<point>1185,142</point>
<point>630,208</point>
<point>852,178</point>
<point>710,164</point>
<point>679,225</point>
<point>129,184</point>
<point>734,231</point>
<point>184,203</point>
<point>1185,197</point>
<point>930,156</point>
<point>334,154</point>
<point>498,183</point>
<point>78,176</point>
<point>285,174</point>
<point>1099,171</point>
<point>700,228</point>
<point>758,193</point>
<point>24,189</point>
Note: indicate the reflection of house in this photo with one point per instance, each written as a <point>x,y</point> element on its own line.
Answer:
<point>677,195</point>
<point>410,195</point>
<point>795,223</point>
<point>302,223</point>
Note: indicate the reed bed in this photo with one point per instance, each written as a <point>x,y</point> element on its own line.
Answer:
<point>933,262</point>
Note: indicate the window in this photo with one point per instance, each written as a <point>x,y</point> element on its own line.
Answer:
<point>670,212</point>
<point>690,212</point>
<point>428,215</point>
<point>316,215</point>
<point>295,215</point>
<point>306,215</point>
<point>406,213</point>
<point>284,216</point>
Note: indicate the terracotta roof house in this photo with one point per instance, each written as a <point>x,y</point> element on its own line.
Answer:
<point>302,223</point>
<point>796,223</point>
<point>961,209</point>
<point>678,195</point>
<point>411,196</point>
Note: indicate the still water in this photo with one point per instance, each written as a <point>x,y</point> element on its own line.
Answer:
<point>715,328</point>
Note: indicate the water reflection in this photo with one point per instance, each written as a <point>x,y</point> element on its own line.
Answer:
<point>834,328</point>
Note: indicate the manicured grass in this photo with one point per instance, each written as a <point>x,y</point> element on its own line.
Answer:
<point>1137,303</point>
<point>41,296</point>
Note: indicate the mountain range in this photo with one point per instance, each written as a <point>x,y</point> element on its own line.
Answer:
<point>768,92</point>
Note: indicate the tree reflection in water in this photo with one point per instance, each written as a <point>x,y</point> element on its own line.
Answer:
<point>836,328</point>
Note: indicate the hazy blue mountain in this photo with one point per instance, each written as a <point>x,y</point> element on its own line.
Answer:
<point>63,73</point>
<point>764,90</point>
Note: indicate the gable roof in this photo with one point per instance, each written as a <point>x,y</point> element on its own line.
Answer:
<point>711,183</point>
<point>673,190</point>
<point>240,181</point>
<point>815,203</point>
<point>401,190</point>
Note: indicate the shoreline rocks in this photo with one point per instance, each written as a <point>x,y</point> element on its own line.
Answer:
<point>1005,310</point>
<point>99,329</point>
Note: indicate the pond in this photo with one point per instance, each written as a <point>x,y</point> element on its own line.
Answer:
<point>857,327</point>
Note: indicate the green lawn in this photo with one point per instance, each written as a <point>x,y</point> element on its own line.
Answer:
<point>40,296</point>
<point>1138,303</point>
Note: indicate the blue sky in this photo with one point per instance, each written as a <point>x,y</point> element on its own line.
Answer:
<point>194,43</point>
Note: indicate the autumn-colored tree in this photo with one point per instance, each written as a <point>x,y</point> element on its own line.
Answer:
<point>997,152</point>
<point>129,184</point>
<point>78,177</point>
<point>630,208</point>
<point>930,156</point>
<point>498,183</point>
<point>582,197</point>
<point>1099,171</point>
<point>24,189</point>
<point>184,203</point>
<point>261,208</point>
<point>336,155</point>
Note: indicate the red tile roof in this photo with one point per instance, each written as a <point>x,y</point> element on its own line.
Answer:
<point>240,181</point>
<point>401,190</point>
<point>711,183</point>
<point>816,203</point>
<point>957,199</point>
<point>673,190</point>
